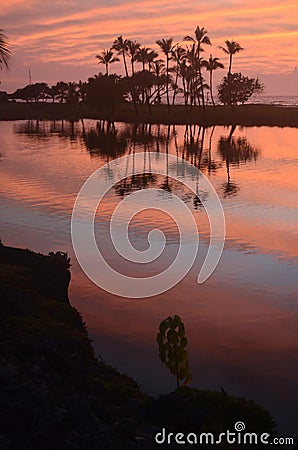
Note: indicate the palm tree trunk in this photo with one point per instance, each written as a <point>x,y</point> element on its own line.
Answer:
<point>201,87</point>
<point>201,77</point>
<point>168,99</point>
<point>230,65</point>
<point>211,89</point>
<point>185,94</point>
<point>176,81</point>
<point>129,85</point>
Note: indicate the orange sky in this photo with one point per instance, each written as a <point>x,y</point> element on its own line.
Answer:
<point>59,40</point>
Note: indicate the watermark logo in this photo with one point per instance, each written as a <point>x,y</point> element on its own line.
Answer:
<point>96,187</point>
<point>227,437</point>
<point>239,426</point>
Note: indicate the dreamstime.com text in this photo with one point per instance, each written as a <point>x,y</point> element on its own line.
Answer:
<point>238,436</point>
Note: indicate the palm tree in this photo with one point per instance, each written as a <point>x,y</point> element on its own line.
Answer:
<point>178,55</point>
<point>133,47</point>
<point>232,47</point>
<point>184,71</point>
<point>121,46</point>
<point>166,46</point>
<point>194,82</point>
<point>5,53</point>
<point>200,39</point>
<point>158,69</point>
<point>142,56</point>
<point>107,57</point>
<point>150,58</point>
<point>212,64</point>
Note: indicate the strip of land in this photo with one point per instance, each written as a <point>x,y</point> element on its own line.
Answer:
<point>245,115</point>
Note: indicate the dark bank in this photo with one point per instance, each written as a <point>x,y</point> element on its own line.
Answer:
<point>55,394</point>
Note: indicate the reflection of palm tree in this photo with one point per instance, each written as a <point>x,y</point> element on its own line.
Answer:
<point>135,181</point>
<point>166,186</point>
<point>211,164</point>
<point>212,64</point>
<point>5,53</point>
<point>232,47</point>
<point>107,57</point>
<point>105,141</point>
<point>235,151</point>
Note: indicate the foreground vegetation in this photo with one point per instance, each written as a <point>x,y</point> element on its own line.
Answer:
<point>246,115</point>
<point>56,395</point>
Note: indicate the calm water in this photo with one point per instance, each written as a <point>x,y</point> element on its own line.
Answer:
<point>242,323</point>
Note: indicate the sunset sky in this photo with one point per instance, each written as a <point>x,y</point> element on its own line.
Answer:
<point>58,40</point>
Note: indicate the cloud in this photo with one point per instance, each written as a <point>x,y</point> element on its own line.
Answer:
<point>72,32</point>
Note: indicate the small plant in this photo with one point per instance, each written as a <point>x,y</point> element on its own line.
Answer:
<point>172,343</point>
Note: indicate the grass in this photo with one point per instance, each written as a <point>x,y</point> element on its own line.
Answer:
<point>245,115</point>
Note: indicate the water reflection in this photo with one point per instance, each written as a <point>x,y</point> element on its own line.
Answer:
<point>235,151</point>
<point>107,140</point>
<point>242,324</point>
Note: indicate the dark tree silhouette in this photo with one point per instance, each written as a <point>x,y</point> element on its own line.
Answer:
<point>200,39</point>
<point>166,46</point>
<point>178,55</point>
<point>236,88</point>
<point>212,64</point>
<point>172,352</point>
<point>232,47</point>
<point>32,93</point>
<point>104,92</point>
<point>5,53</point>
<point>107,57</point>
<point>133,48</point>
<point>121,46</point>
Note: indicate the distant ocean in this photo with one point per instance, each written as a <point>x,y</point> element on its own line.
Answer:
<point>279,100</point>
<point>286,100</point>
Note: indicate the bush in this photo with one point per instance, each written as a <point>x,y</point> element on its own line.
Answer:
<point>236,88</point>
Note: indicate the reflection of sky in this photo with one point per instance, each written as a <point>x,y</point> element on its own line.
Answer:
<point>241,324</point>
<point>60,40</point>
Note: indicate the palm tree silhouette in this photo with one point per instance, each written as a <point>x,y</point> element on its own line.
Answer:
<point>232,47</point>
<point>200,39</point>
<point>142,56</point>
<point>178,55</point>
<point>158,69</point>
<point>166,46</point>
<point>5,53</point>
<point>133,47</point>
<point>212,64</point>
<point>107,57</point>
<point>121,46</point>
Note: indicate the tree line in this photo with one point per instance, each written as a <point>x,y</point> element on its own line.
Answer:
<point>149,79</point>
<point>182,69</point>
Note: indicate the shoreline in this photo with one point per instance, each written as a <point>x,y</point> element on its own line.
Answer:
<point>243,115</point>
<point>56,394</point>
